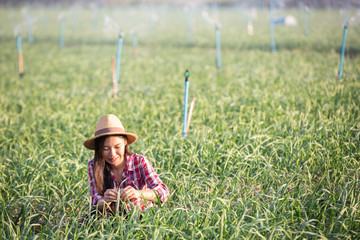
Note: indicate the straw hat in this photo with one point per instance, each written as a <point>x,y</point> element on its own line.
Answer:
<point>109,125</point>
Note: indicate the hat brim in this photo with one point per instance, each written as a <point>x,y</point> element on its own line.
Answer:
<point>90,143</point>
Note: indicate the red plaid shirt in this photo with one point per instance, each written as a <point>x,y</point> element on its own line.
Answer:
<point>139,174</point>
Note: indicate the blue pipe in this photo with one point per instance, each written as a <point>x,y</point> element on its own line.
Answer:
<point>342,51</point>
<point>187,74</point>
<point>218,48</point>
<point>18,43</point>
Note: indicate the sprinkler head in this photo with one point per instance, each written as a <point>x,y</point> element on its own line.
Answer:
<point>121,34</point>
<point>187,74</point>
<point>346,23</point>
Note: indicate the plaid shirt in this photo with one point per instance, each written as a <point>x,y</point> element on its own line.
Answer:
<point>139,174</point>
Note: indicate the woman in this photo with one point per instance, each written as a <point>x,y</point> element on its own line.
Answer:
<point>115,170</point>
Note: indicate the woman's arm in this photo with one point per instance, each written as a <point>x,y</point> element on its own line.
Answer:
<point>155,185</point>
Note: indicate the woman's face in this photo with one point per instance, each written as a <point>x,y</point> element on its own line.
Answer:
<point>114,150</point>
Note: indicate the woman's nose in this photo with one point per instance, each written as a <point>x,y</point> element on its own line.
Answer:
<point>112,152</point>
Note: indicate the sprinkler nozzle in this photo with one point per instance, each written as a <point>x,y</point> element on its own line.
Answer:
<point>187,75</point>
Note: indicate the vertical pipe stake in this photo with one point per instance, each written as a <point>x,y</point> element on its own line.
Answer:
<point>20,56</point>
<point>187,75</point>
<point>343,49</point>
<point>118,59</point>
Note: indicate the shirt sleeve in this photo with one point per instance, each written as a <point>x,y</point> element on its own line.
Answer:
<point>94,196</point>
<point>153,181</point>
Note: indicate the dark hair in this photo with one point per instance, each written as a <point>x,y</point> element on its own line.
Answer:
<point>102,175</point>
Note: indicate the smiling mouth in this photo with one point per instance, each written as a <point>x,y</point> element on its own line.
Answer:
<point>112,159</point>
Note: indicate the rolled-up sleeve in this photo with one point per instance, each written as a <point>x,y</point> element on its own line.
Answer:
<point>94,196</point>
<point>153,180</point>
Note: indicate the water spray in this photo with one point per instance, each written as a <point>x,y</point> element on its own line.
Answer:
<point>343,49</point>
<point>187,75</point>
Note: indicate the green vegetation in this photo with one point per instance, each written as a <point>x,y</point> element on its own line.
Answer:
<point>273,148</point>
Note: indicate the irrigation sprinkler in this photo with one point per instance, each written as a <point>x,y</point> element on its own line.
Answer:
<point>62,33</point>
<point>343,49</point>
<point>218,46</point>
<point>272,33</point>
<point>20,56</point>
<point>118,58</point>
<point>114,76</point>
<point>110,26</point>
<point>187,75</point>
<point>190,114</point>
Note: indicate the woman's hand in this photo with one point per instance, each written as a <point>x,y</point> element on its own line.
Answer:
<point>110,195</point>
<point>129,193</point>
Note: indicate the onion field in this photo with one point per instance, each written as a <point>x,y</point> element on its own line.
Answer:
<point>273,148</point>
